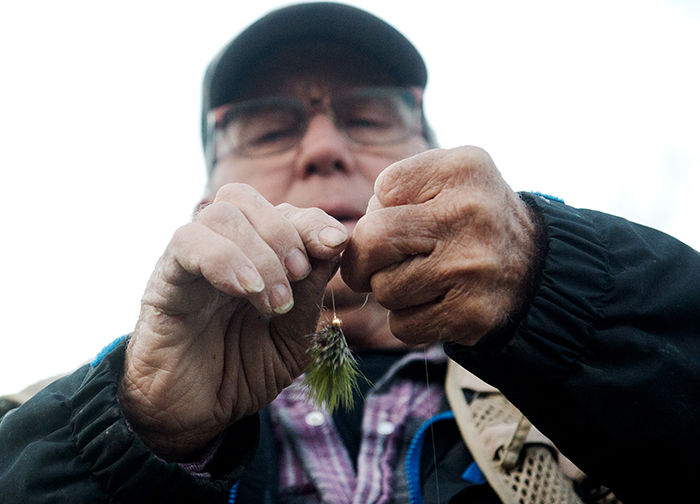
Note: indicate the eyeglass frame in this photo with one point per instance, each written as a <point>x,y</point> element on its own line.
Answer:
<point>416,93</point>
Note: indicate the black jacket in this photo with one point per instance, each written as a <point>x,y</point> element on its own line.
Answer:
<point>605,360</point>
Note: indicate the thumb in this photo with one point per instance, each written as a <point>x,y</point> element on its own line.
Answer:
<point>301,320</point>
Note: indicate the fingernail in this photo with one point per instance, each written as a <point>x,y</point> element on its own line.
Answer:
<point>332,236</point>
<point>281,299</point>
<point>297,264</point>
<point>250,280</point>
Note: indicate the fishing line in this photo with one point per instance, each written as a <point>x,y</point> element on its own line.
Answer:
<point>432,428</point>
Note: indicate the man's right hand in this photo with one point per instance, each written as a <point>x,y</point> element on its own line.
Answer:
<point>224,318</point>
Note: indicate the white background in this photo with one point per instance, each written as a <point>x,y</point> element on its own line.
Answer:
<point>595,101</point>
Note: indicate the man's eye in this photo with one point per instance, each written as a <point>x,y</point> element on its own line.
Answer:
<point>366,122</point>
<point>274,135</point>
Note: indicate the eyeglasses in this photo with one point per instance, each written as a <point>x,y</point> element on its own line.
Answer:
<point>267,126</point>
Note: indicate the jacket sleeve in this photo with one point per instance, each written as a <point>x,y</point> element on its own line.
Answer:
<point>606,358</point>
<point>70,443</point>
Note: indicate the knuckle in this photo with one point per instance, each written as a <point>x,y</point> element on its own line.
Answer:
<point>470,152</point>
<point>456,212</point>
<point>286,208</point>
<point>475,158</point>
<point>318,213</point>
<point>310,216</point>
<point>389,290</point>
<point>235,191</point>
<point>456,165</point>
<point>407,328</point>
<point>201,206</point>
<point>381,294</point>
<point>368,232</point>
<point>384,298</point>
<point>314,214</point>
<point>473,314</point>
<point>386,183</point>
<point>220,211</point>
<point>183,234</point>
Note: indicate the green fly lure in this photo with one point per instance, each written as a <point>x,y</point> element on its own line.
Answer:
<point>332,377</point>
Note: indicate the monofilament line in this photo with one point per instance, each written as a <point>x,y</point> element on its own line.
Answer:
<point>432,428</point>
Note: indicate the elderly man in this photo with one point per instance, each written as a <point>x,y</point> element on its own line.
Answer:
<point>314,137</point>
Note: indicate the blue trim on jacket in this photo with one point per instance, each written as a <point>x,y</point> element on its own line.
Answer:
<point>107,349</point>
<point>414,455</point>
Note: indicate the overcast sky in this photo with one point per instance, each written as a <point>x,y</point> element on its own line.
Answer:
<point>596,102</point>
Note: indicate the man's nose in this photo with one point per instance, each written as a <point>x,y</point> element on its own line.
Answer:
<point>324,149</point>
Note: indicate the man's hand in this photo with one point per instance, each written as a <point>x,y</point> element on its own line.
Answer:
<point>224,317</point>
<point>445,245</point>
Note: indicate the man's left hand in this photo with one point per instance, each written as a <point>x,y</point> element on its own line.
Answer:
<point>446,246</point>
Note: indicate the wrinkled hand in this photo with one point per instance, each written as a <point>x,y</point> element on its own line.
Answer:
<point>224,317</point>
<point>446,246</point>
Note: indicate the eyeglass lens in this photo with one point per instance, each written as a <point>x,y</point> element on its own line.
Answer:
<point>370,116</point>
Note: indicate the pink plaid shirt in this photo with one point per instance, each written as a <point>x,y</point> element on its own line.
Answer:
<point>314,463</point>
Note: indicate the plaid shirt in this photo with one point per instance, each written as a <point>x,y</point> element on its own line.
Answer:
<point>314,463</point>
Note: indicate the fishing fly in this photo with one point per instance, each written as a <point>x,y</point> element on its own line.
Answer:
<point>332,377</point>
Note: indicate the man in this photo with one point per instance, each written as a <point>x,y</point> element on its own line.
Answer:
<point>315,140</point>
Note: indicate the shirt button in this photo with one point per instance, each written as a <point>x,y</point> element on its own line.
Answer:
<point>385,428</point>
<point>314,419</point>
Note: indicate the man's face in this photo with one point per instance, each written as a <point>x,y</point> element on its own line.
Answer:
<point>326,169</point>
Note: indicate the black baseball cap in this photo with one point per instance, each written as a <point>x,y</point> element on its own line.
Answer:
<point>309,22</point>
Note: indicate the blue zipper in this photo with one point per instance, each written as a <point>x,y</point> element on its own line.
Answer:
<point>232,494</point>
<point>414,454</point>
